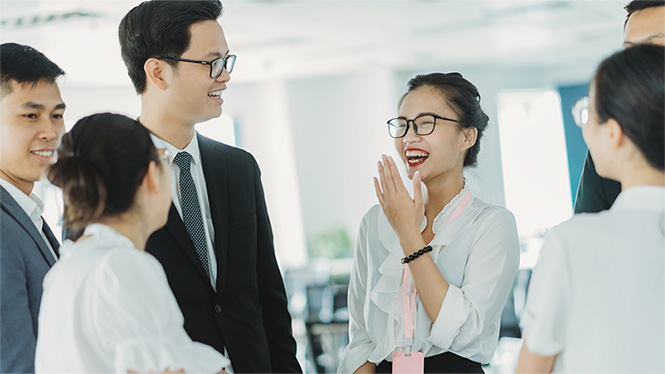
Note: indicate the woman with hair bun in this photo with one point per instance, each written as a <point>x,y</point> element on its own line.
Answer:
<point>596,301</point>
<point>431,273</point>
<point>107,306</point>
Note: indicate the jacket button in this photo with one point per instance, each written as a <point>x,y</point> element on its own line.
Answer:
<point>218,309</point>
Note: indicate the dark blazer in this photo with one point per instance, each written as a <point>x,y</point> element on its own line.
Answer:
<point>24,260</point>
<point>595,193</point>
<point>248,314</point>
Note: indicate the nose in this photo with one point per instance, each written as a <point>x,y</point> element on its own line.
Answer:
<point>224,77</point>
<point>410,136</point>
<point>51,129</point>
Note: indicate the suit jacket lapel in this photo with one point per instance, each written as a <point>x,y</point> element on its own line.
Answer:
<point>179,232</point>
<point>21,217</point>
<point>215,172</point>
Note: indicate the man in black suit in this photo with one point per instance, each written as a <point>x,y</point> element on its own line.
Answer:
<point>31,125</point>
<point>217,247</point>
<point>645,23</point>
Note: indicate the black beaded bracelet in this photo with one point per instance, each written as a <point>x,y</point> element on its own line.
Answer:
<point>417,254</point>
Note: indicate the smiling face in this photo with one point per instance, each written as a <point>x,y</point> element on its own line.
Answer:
<point>440,153</point>
<point>194,95</point>
<point>31,125</point>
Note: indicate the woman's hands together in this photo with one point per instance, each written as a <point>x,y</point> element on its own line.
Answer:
<point>404,214</point>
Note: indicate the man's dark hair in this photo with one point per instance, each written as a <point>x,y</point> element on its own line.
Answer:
<point>25,65</point>
<point>160,28</point>
<point>630,88</point>
<point>637,5</point>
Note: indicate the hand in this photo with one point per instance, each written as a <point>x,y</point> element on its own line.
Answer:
<point>404,214</point>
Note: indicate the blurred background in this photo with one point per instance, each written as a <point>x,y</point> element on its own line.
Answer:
<point>313,85</point>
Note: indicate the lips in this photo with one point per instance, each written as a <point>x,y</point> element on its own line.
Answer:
<point>415,157</point>
<point>216,96</point>
<point>43,153</point>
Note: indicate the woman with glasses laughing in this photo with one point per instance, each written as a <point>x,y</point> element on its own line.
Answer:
<point>431,272</point>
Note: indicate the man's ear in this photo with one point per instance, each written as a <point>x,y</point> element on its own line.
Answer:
<point>154,71</point>
<point>470,137</point>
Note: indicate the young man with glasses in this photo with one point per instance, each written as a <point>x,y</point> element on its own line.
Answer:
<point>217,247</point>
<point>31,125</point>
<point>645,23</point>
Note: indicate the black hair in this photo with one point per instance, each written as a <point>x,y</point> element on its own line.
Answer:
<point>160,28</point>
<point>637,5</point>
<point>630,88</point>
<point>101,164</point>
<point>25,65</point>
<point>463,97</point>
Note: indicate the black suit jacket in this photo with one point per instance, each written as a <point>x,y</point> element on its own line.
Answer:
<point>595,193</point>
<point>248,314</point>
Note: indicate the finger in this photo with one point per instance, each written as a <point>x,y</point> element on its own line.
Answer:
<point>397,179</point>
<point>417,191</point>
<point>377,188</point>
<point>386,184</point>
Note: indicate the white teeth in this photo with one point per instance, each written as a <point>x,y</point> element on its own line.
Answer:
<point>43,153</point>
<point>416,154</point>
<point>216,94</point>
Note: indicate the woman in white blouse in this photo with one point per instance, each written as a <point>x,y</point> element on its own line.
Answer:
<point>107,306</point>
<point>463,254</point>
<point>596,301</point>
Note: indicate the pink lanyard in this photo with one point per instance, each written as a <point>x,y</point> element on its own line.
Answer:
<point>409,302</point>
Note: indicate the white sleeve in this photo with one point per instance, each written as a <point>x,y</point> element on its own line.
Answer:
<point>135,316</point>
<point>360,344</point>
<point>544,316</point>
<point>488,278</point>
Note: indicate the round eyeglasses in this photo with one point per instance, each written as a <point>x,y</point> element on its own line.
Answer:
<point>422,125</point>
<point>216,66</point>
<point>581,112</point>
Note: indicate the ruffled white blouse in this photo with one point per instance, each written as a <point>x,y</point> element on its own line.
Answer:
<point>477,254</point>
<point>107,307</point>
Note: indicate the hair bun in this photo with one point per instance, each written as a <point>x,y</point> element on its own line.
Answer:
<point>82,186</point>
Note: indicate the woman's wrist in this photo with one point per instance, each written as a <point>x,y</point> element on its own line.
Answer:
<point>411,243</point>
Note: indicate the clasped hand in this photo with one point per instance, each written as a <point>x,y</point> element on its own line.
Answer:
<point>404,213</point>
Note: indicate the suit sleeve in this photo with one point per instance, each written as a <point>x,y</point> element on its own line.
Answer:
<point>594,193</point>
<point>18,335</point>
<point>272,295</point>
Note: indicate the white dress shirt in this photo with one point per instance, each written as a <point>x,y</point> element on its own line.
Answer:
<point>201,190</point>
<point>107,307</point>
<point>477,254</point>
<point>597,295</point>
<point>33,207</point>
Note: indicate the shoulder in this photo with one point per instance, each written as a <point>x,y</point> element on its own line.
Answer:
<point>207,145</point>
<point>492,214</point>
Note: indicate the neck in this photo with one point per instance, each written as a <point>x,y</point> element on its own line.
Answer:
<point>130,226</point>
<point>166,125</point>
<point>441,191</point>
<point>642,176</point>
<point>24,186</point>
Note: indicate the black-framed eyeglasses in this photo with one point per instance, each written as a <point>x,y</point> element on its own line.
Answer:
<point>581,112</point>
<point>216,66</point>
<point>422,125</point>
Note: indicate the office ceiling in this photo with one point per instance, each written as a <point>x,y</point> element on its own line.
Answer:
<point>277,39</point>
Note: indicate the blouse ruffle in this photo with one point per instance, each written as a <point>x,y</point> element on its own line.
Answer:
<point>383,294</point>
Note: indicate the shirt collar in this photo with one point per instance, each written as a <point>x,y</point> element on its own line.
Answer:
<point>31,204</point>
<point>641,198</point>
<point>192,148</point>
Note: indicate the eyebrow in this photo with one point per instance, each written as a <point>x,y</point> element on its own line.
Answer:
<point>34,105</point>
<point>644,41</point>
<point>217,54</point>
